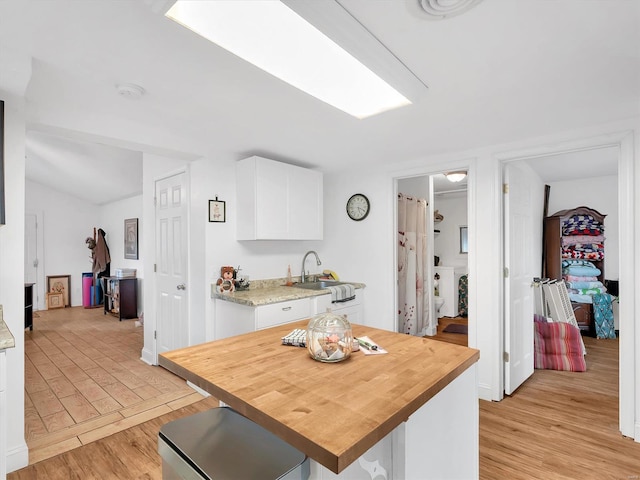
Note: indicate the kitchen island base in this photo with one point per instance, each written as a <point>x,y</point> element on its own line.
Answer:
<point>438,442</point>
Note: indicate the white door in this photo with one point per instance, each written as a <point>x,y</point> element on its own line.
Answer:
<point>172,327</point>
<point>31,262</point>
<point>519,273</point>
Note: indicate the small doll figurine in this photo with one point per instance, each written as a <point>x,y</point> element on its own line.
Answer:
<point>225,283</point>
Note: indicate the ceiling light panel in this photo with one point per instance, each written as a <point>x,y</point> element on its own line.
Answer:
<point>276,39</point>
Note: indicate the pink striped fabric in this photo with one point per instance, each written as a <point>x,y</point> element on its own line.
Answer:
<point>558,347</point>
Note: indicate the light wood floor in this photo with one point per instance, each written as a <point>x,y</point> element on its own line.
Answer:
<point>457,338</point>
<point>558,425</point>
<point>84,380</point>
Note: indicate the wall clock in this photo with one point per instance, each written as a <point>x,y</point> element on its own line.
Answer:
<point>358,207</point>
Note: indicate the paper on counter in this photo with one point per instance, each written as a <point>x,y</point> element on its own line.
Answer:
<point>366,351</point>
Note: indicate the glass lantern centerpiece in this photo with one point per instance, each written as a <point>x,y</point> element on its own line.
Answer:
<point>329,337</point>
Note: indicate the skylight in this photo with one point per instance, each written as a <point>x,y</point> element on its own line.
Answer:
<point>273,37</point>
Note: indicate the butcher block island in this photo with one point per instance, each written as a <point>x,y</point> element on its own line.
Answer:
<point>411,413</point>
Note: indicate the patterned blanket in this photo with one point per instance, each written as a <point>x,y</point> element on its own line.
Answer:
<point>582,225</point>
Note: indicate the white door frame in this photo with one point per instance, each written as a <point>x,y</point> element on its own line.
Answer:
<point>156,293</point>
<point>629,419</point>
<point>39,290</point>
<point>463,163</point>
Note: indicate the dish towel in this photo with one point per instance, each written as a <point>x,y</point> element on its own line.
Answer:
<point>342,293</point>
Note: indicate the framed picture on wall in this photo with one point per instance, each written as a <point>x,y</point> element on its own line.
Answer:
<point>60,284</point>
<point>217,211</point>
<point>131,238</point>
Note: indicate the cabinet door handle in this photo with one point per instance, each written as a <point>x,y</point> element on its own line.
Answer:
<point>181,287</point>
<point>286,309</point>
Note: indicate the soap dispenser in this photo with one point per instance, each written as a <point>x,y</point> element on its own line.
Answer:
<point>289,279</point>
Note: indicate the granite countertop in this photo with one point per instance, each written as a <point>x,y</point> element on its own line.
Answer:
<point>6,339</point>
<point>265,292</point>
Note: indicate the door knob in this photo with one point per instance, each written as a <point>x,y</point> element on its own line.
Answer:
<point>181,287</point>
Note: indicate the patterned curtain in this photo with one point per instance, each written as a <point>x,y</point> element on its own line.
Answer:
<point>414,316</point>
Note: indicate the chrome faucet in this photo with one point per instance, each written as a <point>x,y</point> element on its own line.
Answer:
<point>303,277</point>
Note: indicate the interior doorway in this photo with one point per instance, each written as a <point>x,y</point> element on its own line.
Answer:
<point>448,251</point>
<point>587,162</point>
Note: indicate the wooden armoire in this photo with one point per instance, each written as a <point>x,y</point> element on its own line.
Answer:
<point>553,260</point>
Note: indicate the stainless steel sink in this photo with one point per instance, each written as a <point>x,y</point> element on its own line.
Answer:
<point>318,285</point>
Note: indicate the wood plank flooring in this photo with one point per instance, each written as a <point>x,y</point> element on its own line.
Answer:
<point>84,380</point>
<point>131,453</point>
<point>558,425</point>
<point>457,338</point>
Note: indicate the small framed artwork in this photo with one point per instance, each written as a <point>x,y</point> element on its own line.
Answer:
<point>217,212</point>
<point>131,238</point>
<point>60,284</point>
<point>55,300</point>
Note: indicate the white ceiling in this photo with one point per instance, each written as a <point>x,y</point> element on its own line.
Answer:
<point>503,71</point>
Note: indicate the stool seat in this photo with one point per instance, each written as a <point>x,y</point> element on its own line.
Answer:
<point>221,444</point>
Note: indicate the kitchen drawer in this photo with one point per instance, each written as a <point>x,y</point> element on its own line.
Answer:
<point>283,312</point>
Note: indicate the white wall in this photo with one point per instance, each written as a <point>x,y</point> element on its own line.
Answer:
<point>67,222</point>
<point>601,194</point>
<point>453,207</point>
<point>415,186</point>
<point>12,276</point>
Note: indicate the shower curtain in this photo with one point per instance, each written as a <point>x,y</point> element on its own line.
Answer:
<point>414,312</point>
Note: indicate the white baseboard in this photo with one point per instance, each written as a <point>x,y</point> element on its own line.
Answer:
<point>484,392</point>
<point>147,357</point>
<point>17,458</point>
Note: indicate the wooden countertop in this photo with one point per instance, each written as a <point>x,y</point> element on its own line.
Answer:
<point>333,412</point>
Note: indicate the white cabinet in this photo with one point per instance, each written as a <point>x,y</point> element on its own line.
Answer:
<point>3,414</point>
<point>278,201</point>
<point>282,312</point>
<point>235,319</point>
<point>448,287</point>
<point>352,309</point>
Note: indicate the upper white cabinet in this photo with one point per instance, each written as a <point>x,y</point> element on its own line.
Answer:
<point>278,201</point>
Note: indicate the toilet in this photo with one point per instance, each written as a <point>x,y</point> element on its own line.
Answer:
<point>439,301</point>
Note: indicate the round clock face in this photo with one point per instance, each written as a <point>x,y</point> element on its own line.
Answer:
<point>358,207</point>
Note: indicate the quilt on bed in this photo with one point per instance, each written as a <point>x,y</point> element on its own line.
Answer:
<point>558,346</point>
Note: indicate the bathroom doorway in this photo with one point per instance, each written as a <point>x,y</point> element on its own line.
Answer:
<point>446,271</point>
